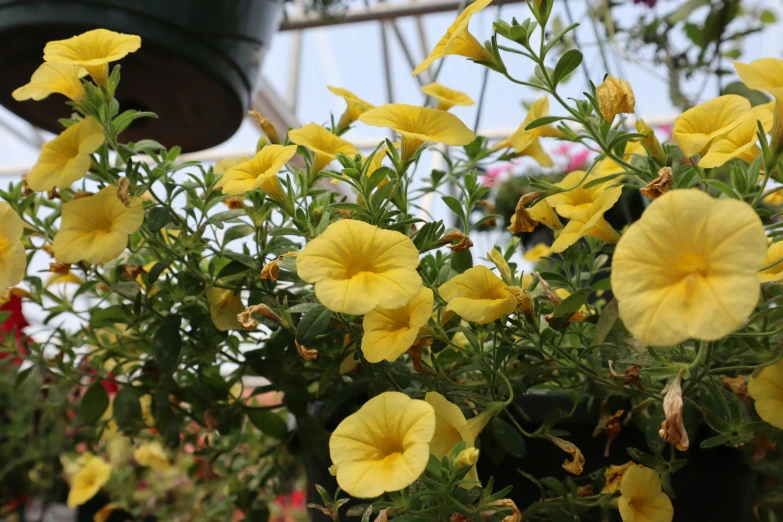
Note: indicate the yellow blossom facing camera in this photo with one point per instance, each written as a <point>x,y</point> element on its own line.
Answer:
<point>93,50</point>
<point>419,125</point>
<point>765,389</point>
<point>224,307</point>
<point>695,128</point>
<point>774,255</point>
<point>389,333</point>
<point>446,97</point>
<point>95,229</point>
<point>615,96</point>
<point>589,221</point>
<point>739,142</point>
<point>688,268</point>
<point>357,267</point>
<point>478,295</point>
<point>322,143</point>
<point>67,157</point>
<point>577,198</point>
<point>260,172</point>
<point>13,260</point>
<point>52,78</point>
<point>355,106</point>
<point>384,446</point>
<point>641,498</point>
<point>765,75</point>
<point>152,455</point>
<point>86,482</point>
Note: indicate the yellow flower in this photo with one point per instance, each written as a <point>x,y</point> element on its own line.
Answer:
<point>608,166</point>
<point>615,96</point>
<point>695,128</point>
<point>93,50</point>
<point>765,75</point>
<point>88,481</point>
<point>577,201</point>
<point>526,142</point>
<point>67,157</point>
<point>384,446</point>
<point>447,98</point>
<point>52,78</point>
<point>418,125</point>
<point>357,267</point>
<point>536,252</point>
<point>458,40</point>
<point>478,295</point>
<point>467,457</point>
<point>260,172</point>
<point>377,161</point>
<point>773,273</point>
<point>650,141</point>
<point>355,106</point>
<point>322,143</point>
<point>389,333</point>
<point>776,198</point>
<point>56,279</point>
<point>688,268</point>
<point>765,388</point>
<point>641,498</point>
<point>95,229</point>
<point>740,142</point>
<point>13,260</point>
<point>152,455</point>
<point>224,306</point>
<point>590,222</point>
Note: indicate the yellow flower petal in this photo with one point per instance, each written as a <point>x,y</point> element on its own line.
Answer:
<point>615,96</point>
<point>536,252</point>
<point>52,78</point>
<point>93,50</point>
<point>478,295</point>
<point>576,201</point>
<point>13,260</point>
<point>526,142</point>
<point>322,143</point>
<point>389,333</point>
<point>447,98</point>
<point>152,455</point>
<point>451,427</point>
<point>259,172</point>
<point>695,128</point>
<point>765,75</point>
<point>86,483</point>
<point>641,498</point>
<point>688,268</point>
<point>224,306</point>
<point>590,221</point>
<point>774,273</point>
<point>355,106</point>
<point>740,142</point>
<point>766,388</point>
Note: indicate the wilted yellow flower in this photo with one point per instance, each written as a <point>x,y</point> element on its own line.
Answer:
<point>384,446</point>
<point>458,40</point>
<point>447,98</point>
<point>641,498</point>
<point>695,128</point>
<point>95,229</point>
<point>357,267</point>
<point>660,185</point>
<point>775,272</point>
<point>93,50</point>
<point>650,141</point>
<point>590,221</point>
<point>478,295</point>
<point>260,172</point>
<point>615,96</point>
<point>536,252</point>
<point>614,477</point>
<point>389,333</point>
<point>322,143</point>
<point>765,75</point>
<point>52,78</point>
<point>577,463</point>
<point>67,157</point>
<point>739,142</point>
<point>88,481</point>
<point>688,268</point>
<point>13,260</point>
<point>355,106</point>
<point>152,455</point>
<point>526,142</point>
<point>224,307</point>
<point>765,388</point>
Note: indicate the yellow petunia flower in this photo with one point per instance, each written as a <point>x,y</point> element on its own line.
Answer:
<point>377,161</point>
<point>536,252</point>
<point>615,96</point>
<point>776,198</point>
<point>458,40</point>
<point>589,221</point>
<point>650,140</point>
<point>418,125</point>
<point>641,498</point>
<point>93,50</point>
<point>526,142</point>
<point>56,279</point>
<point>447,98</point>
<point>695,128</point>
<point>577,201</point>
<point>52,78</point>
<point>357,267</point>
<point>322,143</point>
<point>355,106</point>
<point>86,482</point>
<point>608,166</point>
<point>389,333</point>
<point>478,295</point>
<point>13,260</point>
<point>152,455</point>
<point>688,268</point>
<point>95,229</point>
<point>765,75</point>
<point>740,142</point>
<point>383,447</point>
<point>67,157</point>
<point>224,306</point>
<point>775,272</point>
<point>260,172</point>
<point>765,388</point>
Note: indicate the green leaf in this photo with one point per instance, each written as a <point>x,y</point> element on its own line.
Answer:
<point>158,218</point>
<point>546,120</point>
<point>268,422</point>
<point>571,304</point>
<point>127,289</point>
<point>566,65</point>
<point>102,317</point>
<point>313,324</point>
<point>167,344</point>
<point>127,409</point>
<point>455,206</point>
<point>718,440</point>
<point>560,34</point>
<point>157,269</point>
<point>225,216</point>
<point>508,436</point>
<point>94,403</point>
<point>739,88</point>
<point>461,261</point>
<point>767,17</point>
<point>237,232</point>
<point>606,321</point>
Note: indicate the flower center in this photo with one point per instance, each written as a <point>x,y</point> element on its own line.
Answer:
<point>5,246</point>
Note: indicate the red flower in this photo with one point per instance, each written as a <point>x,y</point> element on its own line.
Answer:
<point>15,323</point>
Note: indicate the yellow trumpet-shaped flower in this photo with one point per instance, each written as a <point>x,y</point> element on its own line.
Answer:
<point>260,172</point>
<point>383,447</point>
<point>590,221</point>
<point>739,142</point>
<point>765,75</point>
<point>224,306</point>
<point>95,229</point>
<point>418,125</point>
<point>576,201</point>
<point>688,268</point>
<point>458,40</point>
<point>447,98</point>
<point>355,106</point>
<point>650,141</point>
<point>52,78</point>
<point>389,333</point>
<point>357,267</point>
<point>615,96</point>
<point>152,455</point>
<point>765,388</point>
<point>775,272</point>
<point>226,164</point>
<point>641,497</point>
<point>695,128</point>
<point>86,482</point>
<point>67,157</point>
<point>13,261</point>
<point>526,142</point>
<point>478,295</point>
<point>93,50</point>
<point>322,143</point>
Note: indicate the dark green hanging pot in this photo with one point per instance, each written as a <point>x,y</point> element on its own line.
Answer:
<point>196,68</point>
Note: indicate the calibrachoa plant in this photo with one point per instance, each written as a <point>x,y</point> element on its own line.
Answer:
<point>395,351</point>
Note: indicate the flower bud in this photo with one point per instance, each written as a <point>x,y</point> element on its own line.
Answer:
<point>467,458</point>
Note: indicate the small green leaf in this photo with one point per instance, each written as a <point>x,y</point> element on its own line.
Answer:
<point>509,437</point>
<point>127,409</point>
<point>571,304</point>
<point>167,344</point>
<point>312,325</point>
<point>94,403</point>
<point>546,120</point>
<point>268,422</point>
<point>606,321</point>
<point>566,65</point>
<point>158,218</point>
<point>157,269</point>
<point>237,232</point>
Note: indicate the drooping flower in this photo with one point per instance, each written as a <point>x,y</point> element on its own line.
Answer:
<point>641,498</point>
<point>389,333</point>
<point>478,295</point>
<point>526,142</point>
<point>95,229</point>
<point>13,260</point>
<point>774,272</point>
<point>458,40</point>
<point>765,388</point>
<point>650,141</point>
<point>52,78</point>
<point>418,125</point>
<point>384,446</point>
<point>355,106</point>
<point>695,128</point>
<point>224,307</point>
<point>86,482</point>
<point>575,201</point>
<point>590,221</point>
<point>765,75</point>
<point>688,268</point>
<point>739,142</point>
<point>447,98</point>
<point>152,455</point>
<point>660,185</point>
<point>536,252</point>
<point>615,96</point>
<point>267,127</point>
<point>322,143</point>
<point>357,267</point>
<point>67,157</point>
<point>93,50</point>
<point>260,172</point>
